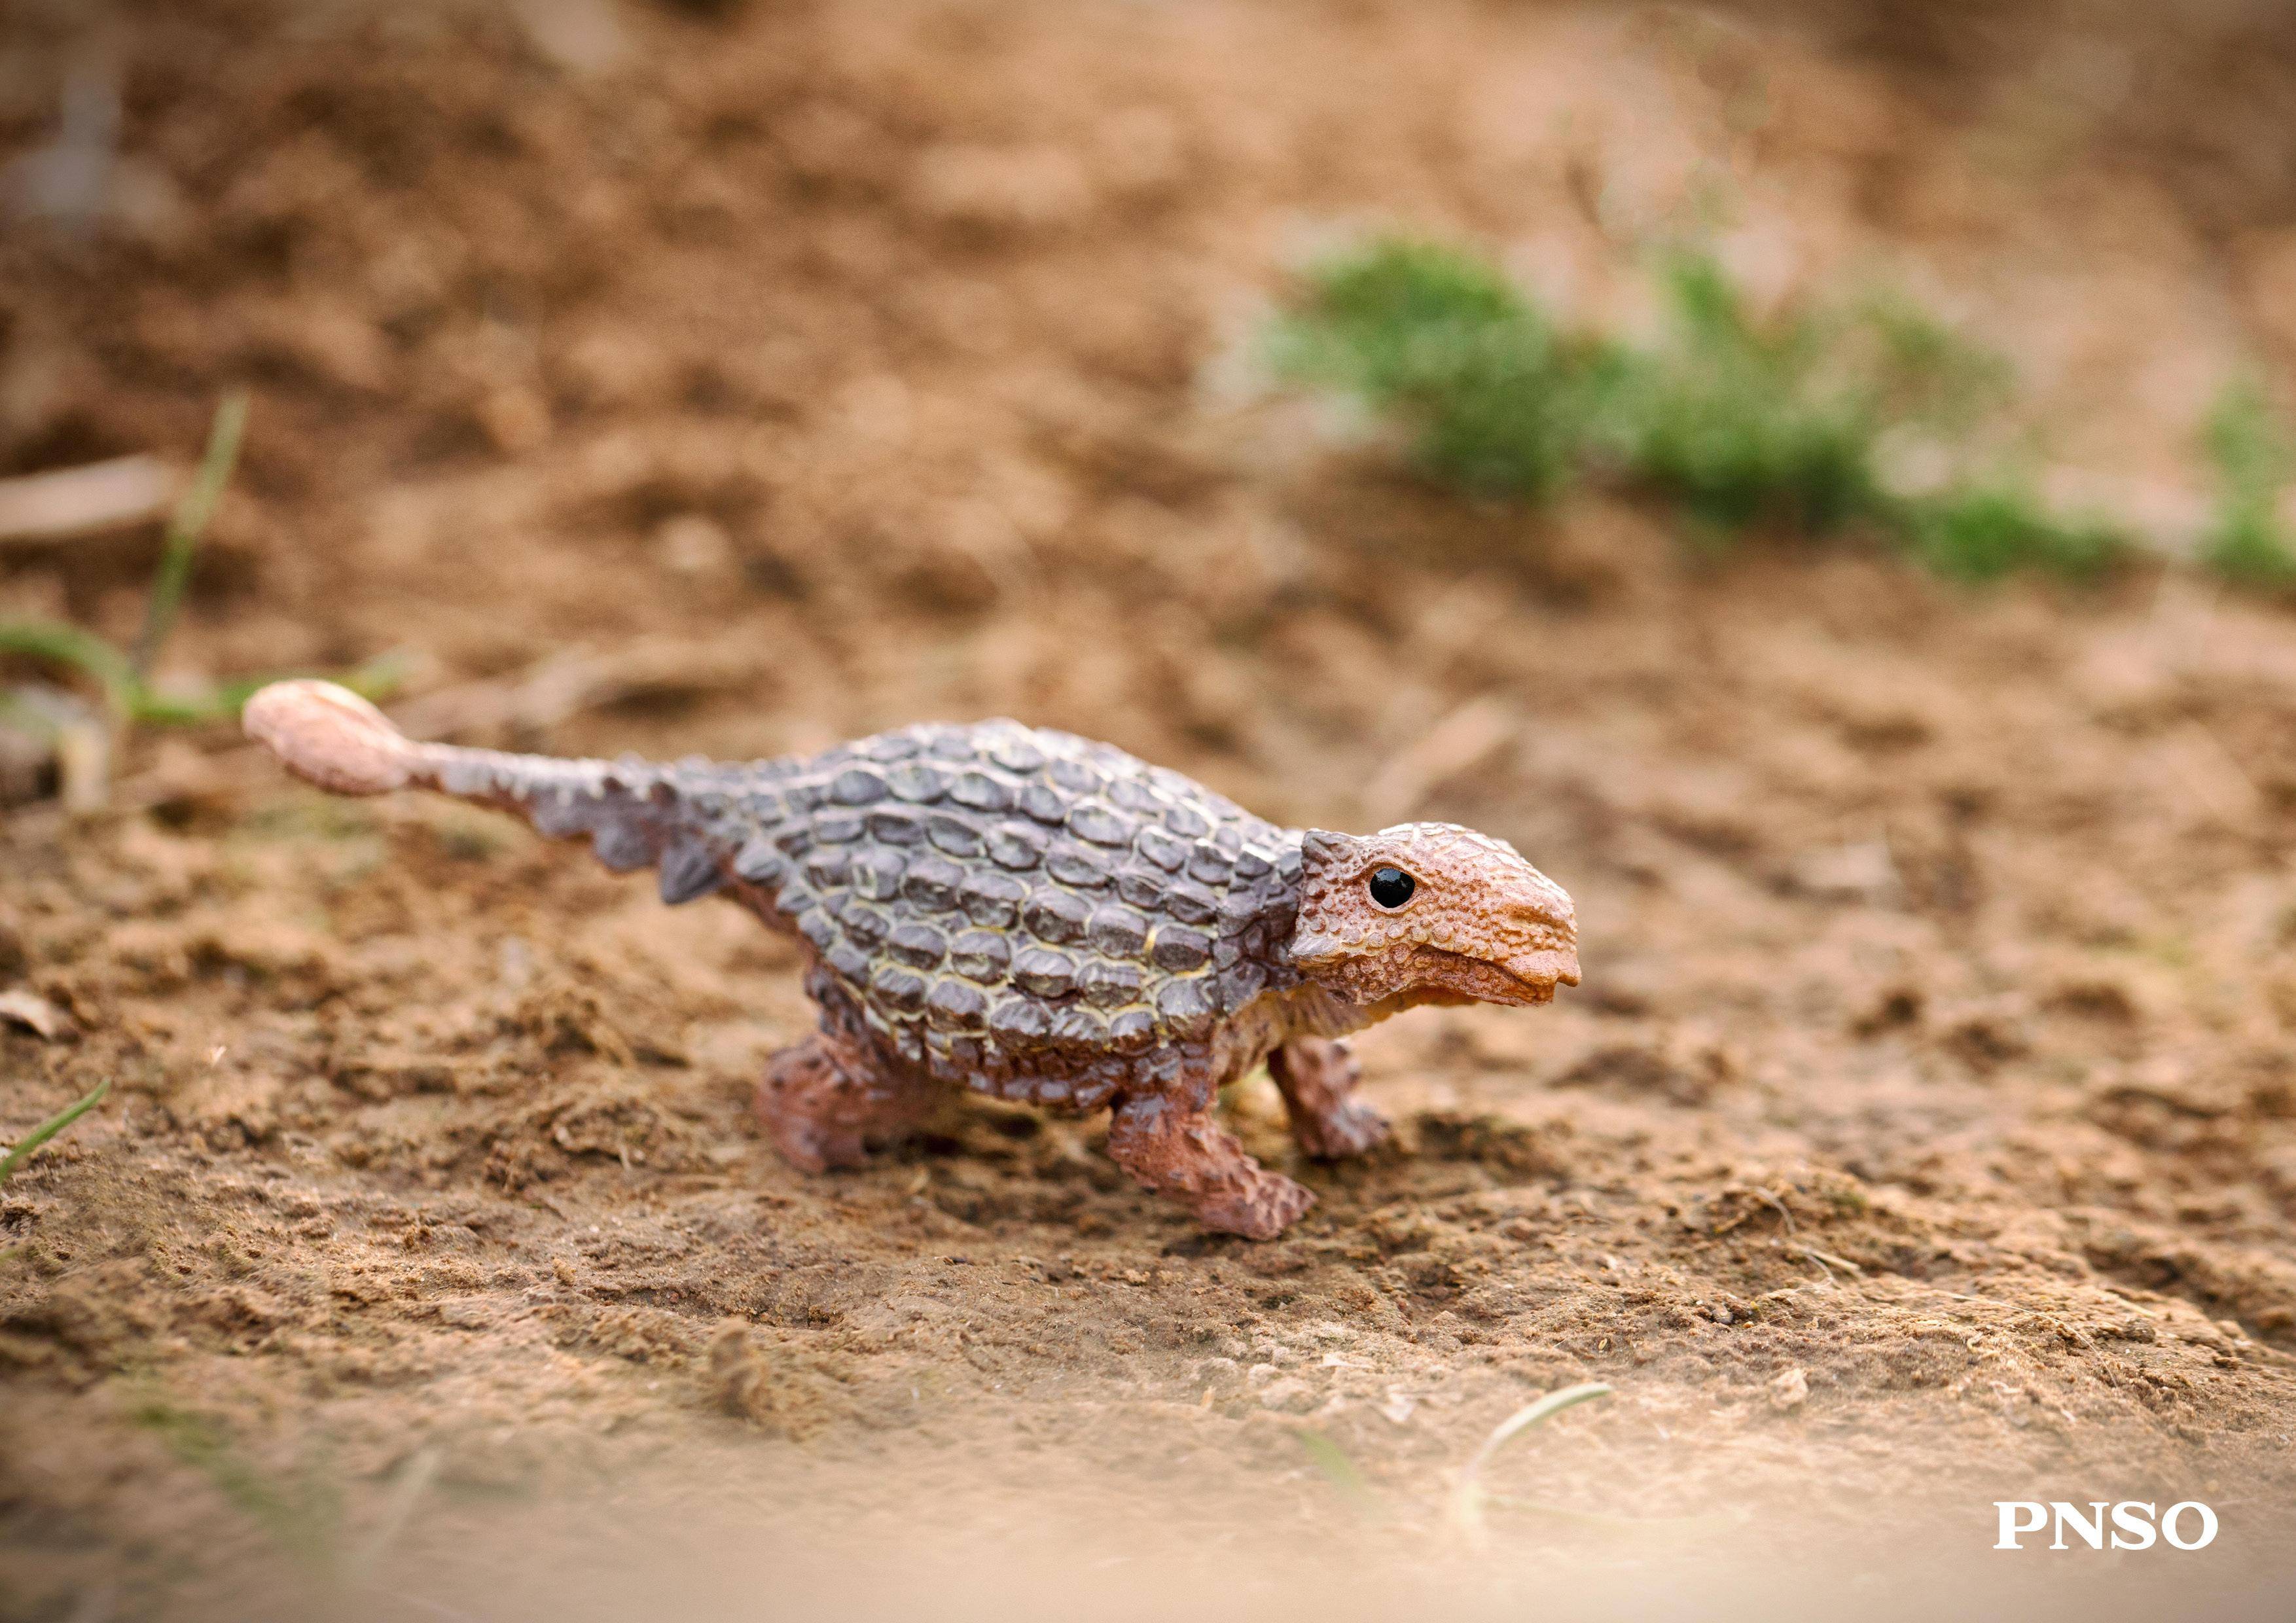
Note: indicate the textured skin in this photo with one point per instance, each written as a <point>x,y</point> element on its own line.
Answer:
<point>1020,911</point>
<point>1030,914</point>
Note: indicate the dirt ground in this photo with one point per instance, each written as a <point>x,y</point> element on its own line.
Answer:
<point>1924,1131</point>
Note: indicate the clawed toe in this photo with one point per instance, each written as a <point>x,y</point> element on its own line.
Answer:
<point>1353,1129</point>
<point>809,1146</point>
<point>1261,1210</point>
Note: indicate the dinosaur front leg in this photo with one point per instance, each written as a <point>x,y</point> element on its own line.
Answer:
<point>1170,1142</point>
<point>826,1101</point>
<point>1318,1078</point>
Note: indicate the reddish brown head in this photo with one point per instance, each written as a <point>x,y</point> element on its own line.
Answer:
<point>1431,908</point>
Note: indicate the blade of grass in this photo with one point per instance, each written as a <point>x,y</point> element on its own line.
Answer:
<point>49,1129</point>
<point>408,1484</point>
<point>1333,1463</point>
<point>188,524</point>
<point>84,652</point>
<point>1467,1508</point>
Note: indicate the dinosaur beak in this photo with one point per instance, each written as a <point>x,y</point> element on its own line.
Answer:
<point>1546,968</point>
<point>1545,910</point>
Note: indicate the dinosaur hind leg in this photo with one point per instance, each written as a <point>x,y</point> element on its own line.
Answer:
<point>1172,1144</point>
<point>826,1103</point>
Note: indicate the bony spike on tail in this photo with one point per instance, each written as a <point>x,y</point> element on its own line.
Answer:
<point>332,737</point>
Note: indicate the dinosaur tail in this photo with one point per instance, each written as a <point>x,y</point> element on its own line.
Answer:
<point>637,814</point>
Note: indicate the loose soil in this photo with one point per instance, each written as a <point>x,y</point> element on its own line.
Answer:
<point>1924,1132</point>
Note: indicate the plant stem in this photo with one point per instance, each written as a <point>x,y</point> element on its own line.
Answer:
<point>189,522</point>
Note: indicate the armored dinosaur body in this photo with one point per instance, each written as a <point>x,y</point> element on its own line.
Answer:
<point>1029,914</point>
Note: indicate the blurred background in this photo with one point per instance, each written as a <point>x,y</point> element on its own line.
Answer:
<point>1812,476</point>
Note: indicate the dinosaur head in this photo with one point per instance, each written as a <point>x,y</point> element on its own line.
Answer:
<point>1433,910</point>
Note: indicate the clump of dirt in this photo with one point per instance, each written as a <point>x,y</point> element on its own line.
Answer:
<point>1925,1122</point>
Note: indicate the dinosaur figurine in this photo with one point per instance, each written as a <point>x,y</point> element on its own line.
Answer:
<point>1029,914</point>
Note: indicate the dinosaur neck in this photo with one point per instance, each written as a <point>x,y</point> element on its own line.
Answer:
<point>1309,1010</point>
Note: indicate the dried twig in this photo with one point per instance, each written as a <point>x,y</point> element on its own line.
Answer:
<point>1461,741</point>
<point>66,501</point>
<point>34,1013</point>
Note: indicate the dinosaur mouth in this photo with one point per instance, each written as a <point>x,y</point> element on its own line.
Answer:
<point>1531,979</point>
<point>1443,976</point>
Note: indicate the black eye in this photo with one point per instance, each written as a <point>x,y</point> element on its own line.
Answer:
<point>1391,887</point>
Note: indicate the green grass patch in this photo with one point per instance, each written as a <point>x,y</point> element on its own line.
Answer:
<point>1983,531</point>
<point>1789,423</point>
<point>1496,401</point>
<point>301,1509</point>
<point>2248,448</point>
<point>302,1514</point>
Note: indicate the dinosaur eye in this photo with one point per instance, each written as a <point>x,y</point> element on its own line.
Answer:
<point>1390,887</point>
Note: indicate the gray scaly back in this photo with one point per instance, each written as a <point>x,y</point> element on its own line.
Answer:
<point>1017,909</point>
